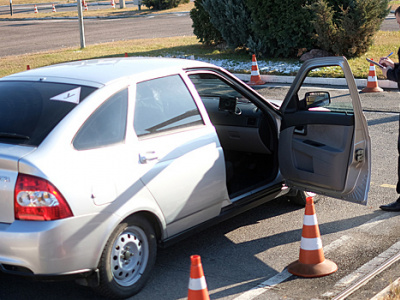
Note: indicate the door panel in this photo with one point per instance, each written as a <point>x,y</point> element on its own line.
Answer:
<point>320,156</point>
<point>326,150</point>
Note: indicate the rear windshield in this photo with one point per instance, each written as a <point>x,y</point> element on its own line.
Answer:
<point>30,110</point>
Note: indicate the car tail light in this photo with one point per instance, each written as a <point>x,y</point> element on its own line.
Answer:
<point>36,199</point>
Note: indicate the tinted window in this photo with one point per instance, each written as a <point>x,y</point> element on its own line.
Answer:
<point>106,126</point>
<point>30,110</point>
<point>164,104</point>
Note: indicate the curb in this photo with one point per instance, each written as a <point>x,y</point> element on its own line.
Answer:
<point>361,83</point>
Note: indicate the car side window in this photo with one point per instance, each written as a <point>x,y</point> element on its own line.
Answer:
<point>164,104</point>
<point>327,99</point>
<point>106,126</point>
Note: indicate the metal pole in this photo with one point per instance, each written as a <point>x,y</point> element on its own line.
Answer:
<point>11,7</point>
<point>122,4</point>
<point>81,30</point>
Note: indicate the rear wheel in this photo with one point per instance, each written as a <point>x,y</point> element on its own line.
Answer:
<point>127,258</point>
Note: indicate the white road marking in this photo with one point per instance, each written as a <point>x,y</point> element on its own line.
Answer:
<point>264,286</point>
<point>391,186</point>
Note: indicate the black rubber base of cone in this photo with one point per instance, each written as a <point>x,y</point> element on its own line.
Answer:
<point>316,270</point>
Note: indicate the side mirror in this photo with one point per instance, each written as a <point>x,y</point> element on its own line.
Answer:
<point>317,99</point>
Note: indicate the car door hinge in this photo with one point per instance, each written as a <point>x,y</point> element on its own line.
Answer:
<point>360,155</point>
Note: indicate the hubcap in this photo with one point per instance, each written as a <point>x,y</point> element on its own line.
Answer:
<point>129,256</point>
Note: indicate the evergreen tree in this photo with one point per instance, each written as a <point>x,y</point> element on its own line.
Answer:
<point>281,27</point>
<point>231,18</point>
<point>348,29</point>
<point>202,26</point>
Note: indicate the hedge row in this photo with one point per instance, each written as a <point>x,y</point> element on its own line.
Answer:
<point>285,28</point>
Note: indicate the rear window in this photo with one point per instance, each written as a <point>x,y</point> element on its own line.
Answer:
<point>30,110</point>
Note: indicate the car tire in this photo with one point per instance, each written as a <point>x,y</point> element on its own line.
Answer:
<point>127,259</point>
<point>299,198</point>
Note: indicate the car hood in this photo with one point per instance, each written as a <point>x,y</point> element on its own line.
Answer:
<point>9,157</point>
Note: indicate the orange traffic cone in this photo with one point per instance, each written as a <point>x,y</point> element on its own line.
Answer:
<point>197,283</point>
<point>35,9</point>
<point>312,262</point>
<point>255,78</point>
<point>113,3</point>
<point>86,6</point>
<point>372,83</point>
<point>54,8</point>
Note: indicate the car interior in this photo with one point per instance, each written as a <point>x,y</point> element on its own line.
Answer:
<point>246,133</point>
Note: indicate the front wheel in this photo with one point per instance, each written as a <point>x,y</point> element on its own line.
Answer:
<point>127,259</point>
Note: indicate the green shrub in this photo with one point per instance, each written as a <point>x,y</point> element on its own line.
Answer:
<point>286,28</point>
<point>347,28</point>
<point>202,27</point>
<point>231,18</point>
<point>163,4</point>
<point>280,27</point>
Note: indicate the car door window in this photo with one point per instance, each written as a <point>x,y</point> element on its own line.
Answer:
<point>317,98</point>
<point>164,104</point>
<point>106,126</point>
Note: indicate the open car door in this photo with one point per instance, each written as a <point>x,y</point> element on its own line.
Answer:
<point>324,141</point>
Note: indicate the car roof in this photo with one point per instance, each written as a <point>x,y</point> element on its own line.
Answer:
<point>102,71</point>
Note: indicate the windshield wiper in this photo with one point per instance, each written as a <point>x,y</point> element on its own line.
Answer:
<point>14,136</point>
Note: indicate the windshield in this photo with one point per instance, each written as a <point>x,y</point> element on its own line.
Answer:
<point>30,110</point>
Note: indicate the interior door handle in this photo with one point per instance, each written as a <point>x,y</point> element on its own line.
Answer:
<point>148,156</point>
<point>300,130</point>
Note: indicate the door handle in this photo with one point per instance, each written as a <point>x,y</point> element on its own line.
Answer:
<point>148,156</point>
<point>300,130</point>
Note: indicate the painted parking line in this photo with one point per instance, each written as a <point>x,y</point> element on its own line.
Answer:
<point>385,185</point>
<point>266,286</point>
<point>390,186</point>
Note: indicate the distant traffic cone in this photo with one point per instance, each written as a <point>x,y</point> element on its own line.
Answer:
<point>372,83</point>
<point>113,3</point>
<point>35,9</point>
<point>86,6</point>
<point>312,262</point>
<point>197,283</point>
<point>255,78</point>
<point>54,8</point>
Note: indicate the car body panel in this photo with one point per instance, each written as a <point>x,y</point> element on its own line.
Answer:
<point>199,153</point>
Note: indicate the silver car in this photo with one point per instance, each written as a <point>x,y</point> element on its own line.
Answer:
<point>102,161</point>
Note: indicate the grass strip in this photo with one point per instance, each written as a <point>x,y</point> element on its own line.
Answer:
<point>385,42</point>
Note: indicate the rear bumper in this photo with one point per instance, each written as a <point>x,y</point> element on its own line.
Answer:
<point>64,247</point>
